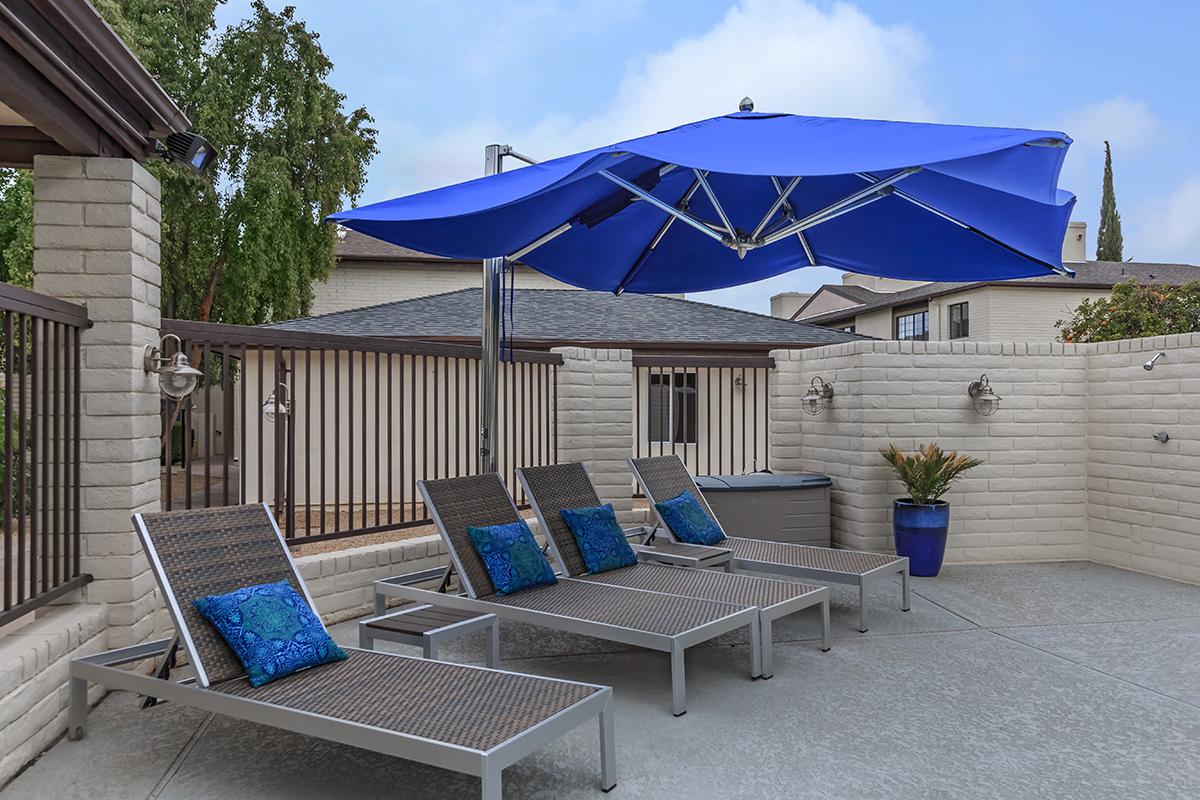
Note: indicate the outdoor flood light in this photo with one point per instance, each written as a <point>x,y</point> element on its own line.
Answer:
<point>176,377</point>
<point>987,402</point>
<point>277,404</point>
<point>819,395</point>
<point>188,148</point>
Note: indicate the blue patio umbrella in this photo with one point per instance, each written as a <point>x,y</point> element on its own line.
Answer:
<point>746,196</point>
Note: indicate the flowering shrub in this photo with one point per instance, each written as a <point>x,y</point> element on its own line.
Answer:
<point>1134,310</point>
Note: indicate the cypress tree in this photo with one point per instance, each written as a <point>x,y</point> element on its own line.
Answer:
<point>1109,245</point>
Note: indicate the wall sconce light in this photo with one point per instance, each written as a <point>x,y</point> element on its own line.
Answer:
<point>987,402</point>
<point>819,395</point>
<point>176,377</point>
<point>277,404</point>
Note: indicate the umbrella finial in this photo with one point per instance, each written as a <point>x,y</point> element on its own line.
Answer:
<point>746,105</point>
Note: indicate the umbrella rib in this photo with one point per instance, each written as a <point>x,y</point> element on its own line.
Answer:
<point>712,197</point>
<point>780,201</point>
<point>790,215</point>
<point>632,272</point>
<point>679,214</point>
<point>849,203</point>
<point>921,204</point>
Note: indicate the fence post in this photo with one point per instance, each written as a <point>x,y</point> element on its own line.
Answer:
<point>595,420</point>
<point>96,240</point>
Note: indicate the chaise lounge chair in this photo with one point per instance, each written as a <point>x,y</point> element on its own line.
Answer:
<point>665,477</point>
<point>462,718</point>
<point>553,489</point>
<point>662,622</point>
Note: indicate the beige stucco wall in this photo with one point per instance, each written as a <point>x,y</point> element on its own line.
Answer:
<point>875,323</point>
<point>359,285</point>
<point>825,302</point>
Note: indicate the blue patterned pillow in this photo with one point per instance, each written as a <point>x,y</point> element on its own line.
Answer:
<point>511,557</point>
<point>271,630</point>
<point>600,538</point>
<point>688,520</point>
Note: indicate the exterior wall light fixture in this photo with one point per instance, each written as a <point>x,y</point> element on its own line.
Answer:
<point>277,404</point>
<point>819,395</point>
<point>176,377</point>
<point>987,402</point>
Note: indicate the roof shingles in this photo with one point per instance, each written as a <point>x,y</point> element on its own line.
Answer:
<point>565,315</point>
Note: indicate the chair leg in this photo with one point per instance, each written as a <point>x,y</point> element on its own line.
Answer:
<point>608,751</point>
<point>77,716</point>
<point>765,636</point>
<point>430,647</point>
<point>862,606</point>
<point>825,625</point>
<point>756,647</point>
<point>493,644</point>
<point>491,789</point>
<point>365,640</point>
<point>904,590</point>
<point>380,604</point>
<point>678,686</point>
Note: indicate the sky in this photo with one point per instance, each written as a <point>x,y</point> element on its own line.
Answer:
<point>551,77</point>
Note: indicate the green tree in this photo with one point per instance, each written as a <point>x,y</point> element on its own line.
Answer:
<point>244,243</point>
<point>16,227</point>
<point>1135,310</point>
<point>1109,244</point>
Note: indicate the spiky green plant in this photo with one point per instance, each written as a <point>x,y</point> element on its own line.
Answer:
<point>928,472</point>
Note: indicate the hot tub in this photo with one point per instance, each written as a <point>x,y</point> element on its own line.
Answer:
<point>791,507</point>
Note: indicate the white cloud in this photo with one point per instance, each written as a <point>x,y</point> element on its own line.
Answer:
<point>1128,124</point>
<point>788,55</point>
<point>1170,230</point>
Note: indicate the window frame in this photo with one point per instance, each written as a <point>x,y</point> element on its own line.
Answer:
<point>964,320</point>
<point>911,313</point>
<point>678,380</point>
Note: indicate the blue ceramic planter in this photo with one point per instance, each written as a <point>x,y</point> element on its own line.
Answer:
<point>920,533</point>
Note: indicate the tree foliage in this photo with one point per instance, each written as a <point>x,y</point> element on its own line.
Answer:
<point>16,227</point>
<point>244,243</point>
<point>1135,310</point>
<point>1109,244</point>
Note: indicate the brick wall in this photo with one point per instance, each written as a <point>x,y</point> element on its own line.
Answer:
<point>1027,502</point>
<point>1143,496</point>
<point>96,240</point>
<point>595,420</point>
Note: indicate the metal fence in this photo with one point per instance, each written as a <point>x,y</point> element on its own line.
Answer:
<point>711,411</point>
<point>335,431</point>
<point>39,428</point>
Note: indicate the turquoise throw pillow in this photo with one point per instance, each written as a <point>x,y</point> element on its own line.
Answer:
<point>271,629</point>
<point>600,538</point>
<point>688,520</point>
<point>511,557</point>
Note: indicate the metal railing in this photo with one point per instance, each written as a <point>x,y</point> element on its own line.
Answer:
<point>39,427</point>
<point>711,411</point>
<point>335,431</point>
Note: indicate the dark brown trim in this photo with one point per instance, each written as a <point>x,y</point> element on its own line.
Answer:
<point>622,344</point>
<point>20,143</point>
<point>68,74</point>
<point>23,301</point>
<point>44,598</point>
<point>218,333</point>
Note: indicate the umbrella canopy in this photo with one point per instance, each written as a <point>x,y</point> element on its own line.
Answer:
<point>743,197</point>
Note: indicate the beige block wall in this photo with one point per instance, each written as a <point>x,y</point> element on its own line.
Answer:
<point>1143,495</point>
<point>360,285</point>
<point>1027,502</point>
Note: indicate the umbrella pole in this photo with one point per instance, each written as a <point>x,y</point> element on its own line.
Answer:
<point>489,376</point>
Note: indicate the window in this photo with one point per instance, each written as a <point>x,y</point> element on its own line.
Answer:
<point>671,415</point>
<point>847,328</point>
<point>914,325</point>
<point>960,321</point>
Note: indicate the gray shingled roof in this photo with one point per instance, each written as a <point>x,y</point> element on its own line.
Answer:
<point>1089,275</point>
<point>355,246</point>
<point>565,315</point>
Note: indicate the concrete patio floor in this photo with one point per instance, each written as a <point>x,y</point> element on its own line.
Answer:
<point>1008,681</point>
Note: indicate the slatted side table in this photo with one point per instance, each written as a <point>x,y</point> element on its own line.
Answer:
<point>699,556</point>
<point>428,627</point>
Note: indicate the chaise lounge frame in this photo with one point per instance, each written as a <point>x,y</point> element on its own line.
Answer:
<point>664,477</point>
<point>490,504</point>
<point>485,763</point>
<point>555,487</point>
